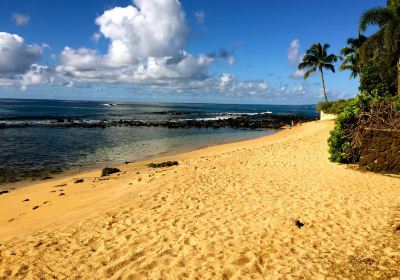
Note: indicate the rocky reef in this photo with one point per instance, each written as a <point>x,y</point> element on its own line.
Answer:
<point>244,121</point>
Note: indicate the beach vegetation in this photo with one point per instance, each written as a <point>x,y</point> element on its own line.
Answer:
<point>317,59</point>
<point>376,60</point>
<point>333,107</point>
<point>351,56</point>
<point>383,47</point>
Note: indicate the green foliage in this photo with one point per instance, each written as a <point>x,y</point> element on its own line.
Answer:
<point>383,47</point>
<point>335,107</point>
<point>351,55</point>
<point>318,59</point>
<point>371,82</point>
<point>339,140</point>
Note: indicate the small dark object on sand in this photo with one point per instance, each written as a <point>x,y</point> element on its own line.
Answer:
<point>298,224</point>
<point>79,181</point>
<point>47,178</point>
<point>61,194</point>
<point>163,164</point>
<point>25,200</point>
<point>3,192</point>
<point>127,162</point>
<point>60,186</point>
<point>36,207</point>
<point>109,170</point>
<point>397,228</point>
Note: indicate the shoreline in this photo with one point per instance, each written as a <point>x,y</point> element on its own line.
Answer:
<point>269,207</point>
<point>11,186</point>
<point>25,189</point>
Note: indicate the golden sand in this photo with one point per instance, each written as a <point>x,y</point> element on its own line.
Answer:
<point>226,212</point>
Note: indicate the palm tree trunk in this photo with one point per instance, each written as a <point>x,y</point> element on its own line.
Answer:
<point>323,84</point>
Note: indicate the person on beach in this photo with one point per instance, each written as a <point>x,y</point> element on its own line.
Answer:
<point>292,123</point>
<point>300,122</point>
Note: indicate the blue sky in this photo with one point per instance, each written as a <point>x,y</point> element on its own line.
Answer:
<point>164,50</point>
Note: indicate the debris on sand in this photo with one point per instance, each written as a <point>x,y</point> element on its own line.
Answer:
<point>163,164</point>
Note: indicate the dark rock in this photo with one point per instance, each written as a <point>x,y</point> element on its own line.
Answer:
<point>109,170</point>
<point>36,207</point>
<point>3,192</point>
<point>299,224</point>
<point>47,178</point>
<point>163,164</point>
<point>243,121</point>
<point>25,200</point>
<point>79,181</point>
<point>61,194</point>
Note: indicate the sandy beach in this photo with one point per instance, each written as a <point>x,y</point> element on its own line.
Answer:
<point>225,212</point>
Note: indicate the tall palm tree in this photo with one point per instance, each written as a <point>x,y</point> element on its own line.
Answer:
<point>386,41</point>
<point>317,59</point>
<point>352,60</point>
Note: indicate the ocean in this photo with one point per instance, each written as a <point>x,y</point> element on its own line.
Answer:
<point>40,151</point>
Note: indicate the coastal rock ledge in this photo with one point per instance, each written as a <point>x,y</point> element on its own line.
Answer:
<point>380,150</point>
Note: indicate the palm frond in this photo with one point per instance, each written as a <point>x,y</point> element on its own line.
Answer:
<point>309,72</point>
<point>378,16</point>
<point>329,67</point>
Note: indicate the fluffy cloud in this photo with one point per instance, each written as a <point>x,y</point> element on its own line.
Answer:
<point>20,19</point>
<point>294,59</point>
<point>146,48</point>
<point>82,59</point>
<point>200,16</point>
<point>293,51</point>
<point>15,55</point>
<point>146,44</point>
<point>154,28</point>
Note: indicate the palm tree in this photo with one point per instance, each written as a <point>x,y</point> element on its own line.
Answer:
<point>352,60</point>
<point>317,58</point>
<point>385,43</point>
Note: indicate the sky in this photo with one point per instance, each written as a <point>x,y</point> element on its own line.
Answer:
<point>221,51</point>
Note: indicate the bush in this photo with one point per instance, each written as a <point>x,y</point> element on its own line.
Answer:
<point>335,107</point>
<point>340,143</point>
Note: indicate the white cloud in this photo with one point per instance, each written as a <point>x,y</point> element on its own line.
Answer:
<point>146,48</point>
<point>38,75</point>
<point>15,55</point>
<point>82,59</point>
<point>96,36</point>
<point>20,19</point>
<point>151,28</point>
<point>294,59</point>
<point>146,44</point>
<point>200,16</point>
<point>298,74</point>
<point>293,51</point>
